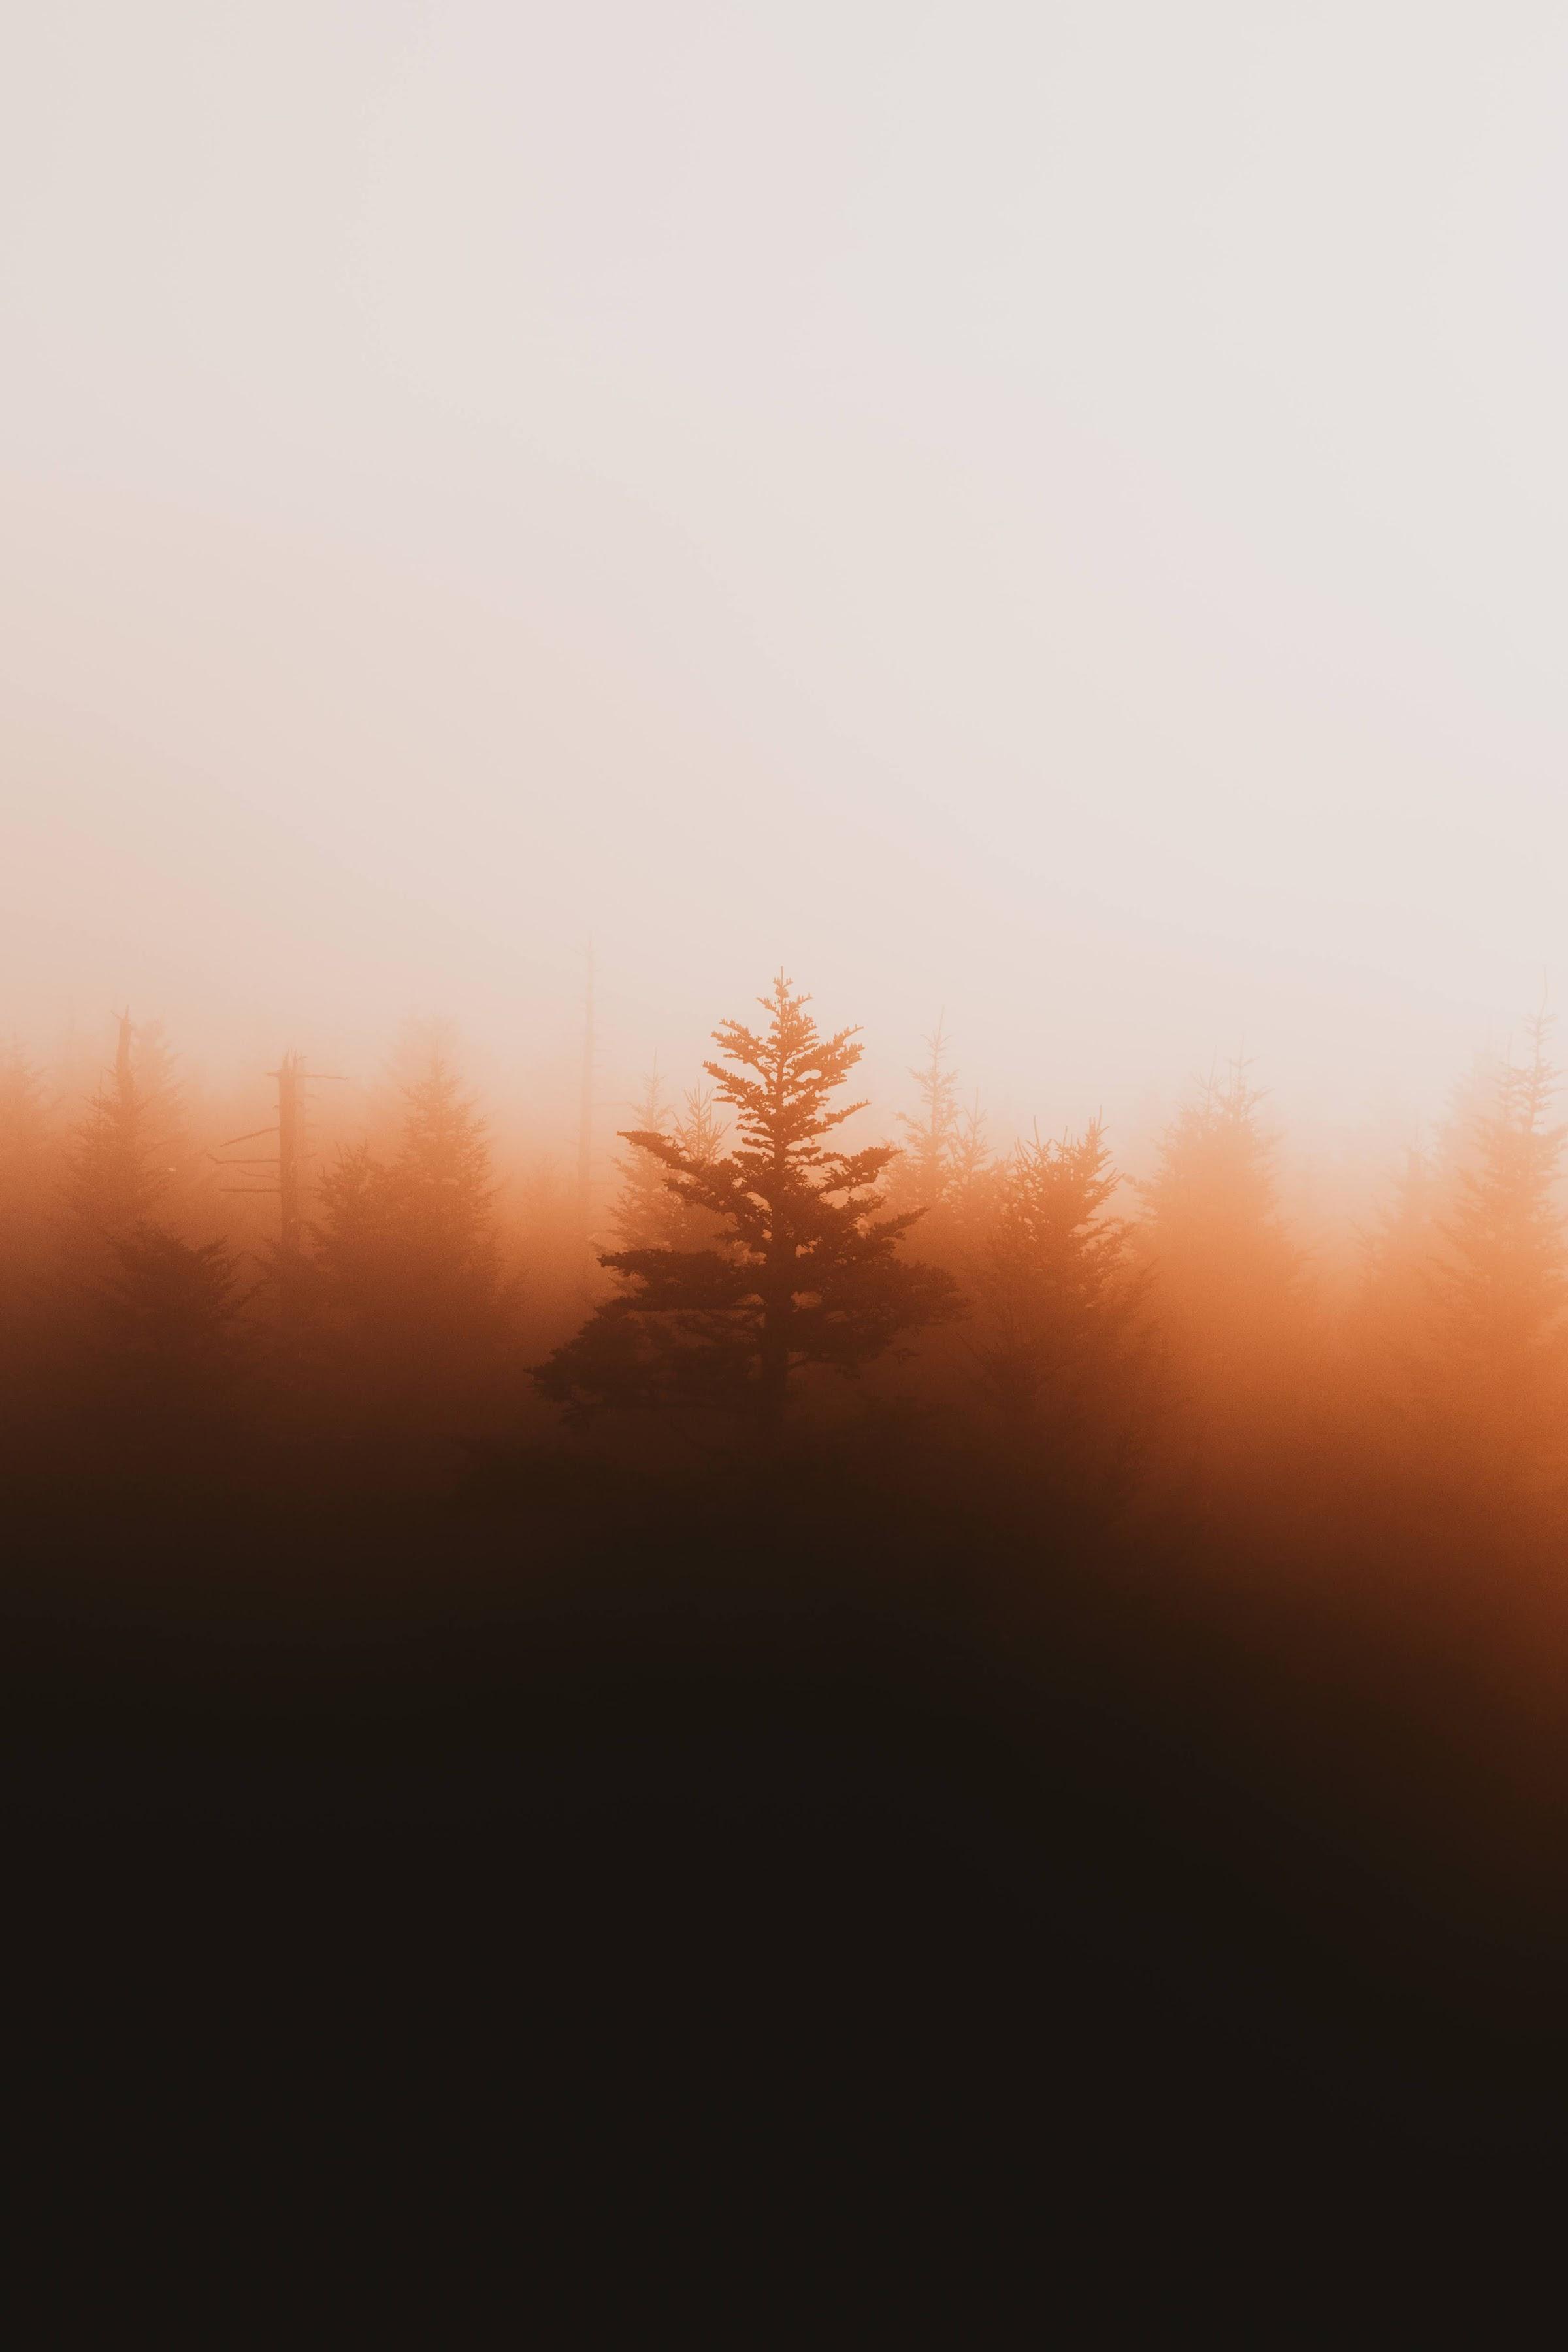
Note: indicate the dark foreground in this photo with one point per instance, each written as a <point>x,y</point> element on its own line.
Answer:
<point>648,1862</point>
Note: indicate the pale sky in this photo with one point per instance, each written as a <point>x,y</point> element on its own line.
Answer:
<point>1052,511</point>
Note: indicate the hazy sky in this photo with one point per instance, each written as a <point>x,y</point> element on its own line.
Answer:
<point>1056,511</point>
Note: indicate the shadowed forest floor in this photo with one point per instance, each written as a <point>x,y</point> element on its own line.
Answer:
<point>907,1839</point>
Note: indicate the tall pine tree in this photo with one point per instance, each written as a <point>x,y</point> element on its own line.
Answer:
<point>1064,1336</point>
<point>406,1258</point>
<point>1495,1378</point>
<point>648,1214</point>
<point>1226,1281</point>
<point>806,1270</point>
<point>929,1167</point>
<point>115,1180</point>
<point>25,1173</point>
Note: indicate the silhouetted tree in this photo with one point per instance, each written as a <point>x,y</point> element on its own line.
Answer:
<point>446,1192</point>
<point>171,1322</point>
<point>945,1170</point>
<point>1390,1316</point>
<point>1394,1328</point>
<point>644,1213</point>
<point>162,1090</point>
<point>930,1162</point>
<point>24,1211</point>
<point>23,1126</point>
<point>1226,1279</point>
<point>807,1272</point>
<point>356,1244</point>
<point>405,1268</point>
<point>23,1155</point>
<point>971,1158</point>
<point>1497,1375</point>
<point>1065,1338</point>
<point>114,1180</point>
<point>648,1213</point>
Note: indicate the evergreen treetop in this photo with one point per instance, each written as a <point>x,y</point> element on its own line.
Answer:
<point>804,1270</point>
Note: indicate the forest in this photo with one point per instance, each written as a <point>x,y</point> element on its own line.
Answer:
<point>1138,1350</point>
<point>942,1563</point>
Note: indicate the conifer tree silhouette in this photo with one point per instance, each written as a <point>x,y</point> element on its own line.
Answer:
<point>935,1134</point>
<point>1065,1344</point>
<point>806,1272</point>
<point>25,1173</point>
<point>1394,1323</point>
<point>1226,1279</point>
<point>24,1147</point>
<point>405,1263</point>
<point>444,1188</point>
<point>163,1093</point>
<point>648,1214</point>
<point>1391,1315</point>
<point>22,1119</point>
<point>115,1181</point>
<point>643,1215</point>
<point>355,1242</point>
<point>970,1158</point>
<point>1497,1377</point>
<point>170,1319</point>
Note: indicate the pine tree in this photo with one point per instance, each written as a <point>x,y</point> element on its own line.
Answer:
<point>1392,1312</point>
<point>929,1162</point>
<point>970,1160</point>
<point>24,1142</point>
<point>944,1170</point>
<point>698,1129</point>
<point>1496,1376</point>
<point>1227,1279</point>
<point>115,1181</point>
<point>24,1220</point>
<point>170,1319</point>
<point>405,1265</point>
<point>444,1189</point>
<point>355,1247</point>
<point>648,1213</point>
<point>806,1271</point>
<point>644,1214</point>
<point>163,1093</point>
<point>1063,1345</point>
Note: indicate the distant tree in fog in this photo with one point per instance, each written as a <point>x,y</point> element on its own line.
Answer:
<point>405,1262</point>
<point>170,1319</point>
<point>1227,1276</point>
<point>1392,1308</point>
<point>1064,1337</point>
<point>443,1183</point>
<point>163,1091</point>
<point>1498,1370</point>
<point>647,1213</point>
<point>970,1160</point>
<point>24,1139</point>
<point>643,1212</point>
<point>946,1168</point>
<point>25,1199</point>
<point>1396,1325</point>
<point>115,1178</point>
<point>934,1134</point>
<point>806,1270</point>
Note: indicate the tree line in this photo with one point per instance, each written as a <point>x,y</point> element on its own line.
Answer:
<point>1097,1335</point>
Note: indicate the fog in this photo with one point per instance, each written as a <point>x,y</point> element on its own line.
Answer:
<point>1049,513</point>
